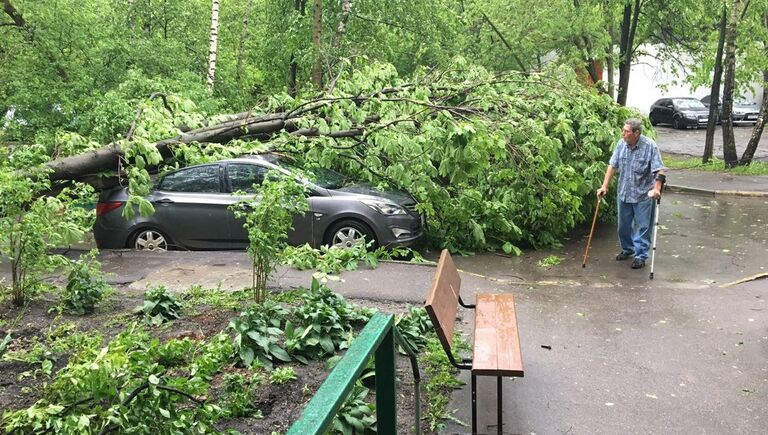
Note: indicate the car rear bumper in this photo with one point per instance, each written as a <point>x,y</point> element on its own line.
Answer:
<point>109,237</point>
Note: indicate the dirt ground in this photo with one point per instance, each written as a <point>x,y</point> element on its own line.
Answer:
<point>280,404</point>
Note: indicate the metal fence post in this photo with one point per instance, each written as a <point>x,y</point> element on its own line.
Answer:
<point>386,397</point>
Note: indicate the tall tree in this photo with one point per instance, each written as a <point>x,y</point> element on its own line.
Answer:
<point>214,41</point>
<point>714,102</point>
<point>749,151</point>
<point>317,43</point>
<point>627,47</point>
<point>729,142</point>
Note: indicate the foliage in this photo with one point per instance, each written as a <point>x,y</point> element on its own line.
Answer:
<point>214,297</point>
<point>356,416</point>
<point>134,382</point>
<point>38,355</point>
<point>442,379</point>
<point>239,395</point>
<point>257,334</point>
<point>160,305</point>
<point>86,285</point>
<point>283,375</point>
<point>512,161</point>
<point>549,261</point>
<point>715,165</point>
<point>413,327</point>
<point>268,218</point>
<point>323,324</point>
<point>32,224</point>
<point>333,259</point>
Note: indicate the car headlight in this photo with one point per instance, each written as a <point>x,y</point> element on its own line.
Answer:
<point>385,208</point>
<point>690,115</point>
<point>738,112</point>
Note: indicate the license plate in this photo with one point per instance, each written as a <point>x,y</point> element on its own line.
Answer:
<point>751,116</point>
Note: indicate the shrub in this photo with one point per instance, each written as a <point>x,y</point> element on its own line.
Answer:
<point>257,334</point>
<point>160,305</point>
<point>86,285</point>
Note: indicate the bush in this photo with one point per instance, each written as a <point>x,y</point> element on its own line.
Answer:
<point>86,285</point>
<point>257,334</point>
<point>160,306</point>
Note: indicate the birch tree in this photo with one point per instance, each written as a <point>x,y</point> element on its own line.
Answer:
<point>214,40</point>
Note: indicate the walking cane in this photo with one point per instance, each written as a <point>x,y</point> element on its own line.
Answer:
<point>655,229</point>
<point>589,241</point>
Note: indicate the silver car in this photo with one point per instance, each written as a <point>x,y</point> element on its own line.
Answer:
<point>744,111</point>
<point>192,210</point>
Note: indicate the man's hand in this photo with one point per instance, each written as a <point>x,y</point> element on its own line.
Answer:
<point>601,192</point>
<point>653,193</point>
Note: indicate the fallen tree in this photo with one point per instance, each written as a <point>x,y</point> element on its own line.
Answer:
<point>494,160</point>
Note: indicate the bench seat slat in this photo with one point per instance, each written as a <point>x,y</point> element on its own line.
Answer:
<point>496,340</point>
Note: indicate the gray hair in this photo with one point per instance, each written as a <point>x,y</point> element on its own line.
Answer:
<point>635,124</point>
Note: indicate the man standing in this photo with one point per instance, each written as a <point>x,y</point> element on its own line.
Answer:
<point>638,162</point>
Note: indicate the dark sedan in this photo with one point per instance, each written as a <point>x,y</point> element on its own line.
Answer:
<point>192,210</point>
<point>679,113</point>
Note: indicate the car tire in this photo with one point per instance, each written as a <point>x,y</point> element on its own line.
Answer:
<point>677,124</point>
<point>653,120</point>
<point>349,232</point>
<point>149,239</point>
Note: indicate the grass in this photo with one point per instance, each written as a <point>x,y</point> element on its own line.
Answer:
<point>715,165</point>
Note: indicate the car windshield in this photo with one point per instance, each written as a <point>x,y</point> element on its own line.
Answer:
<point>325,178</point>
<point>743,101</point>
<point>685,103</point>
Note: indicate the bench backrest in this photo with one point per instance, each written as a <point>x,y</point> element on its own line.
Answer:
<point>443,299</point>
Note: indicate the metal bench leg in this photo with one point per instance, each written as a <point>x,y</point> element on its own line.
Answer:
<point>474,404</point>
<point>498,404</point>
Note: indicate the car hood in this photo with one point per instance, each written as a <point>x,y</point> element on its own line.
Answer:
<point>366,189</point>
<point>698,110</point>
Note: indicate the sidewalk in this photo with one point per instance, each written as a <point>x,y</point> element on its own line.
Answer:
<point>716,183</point>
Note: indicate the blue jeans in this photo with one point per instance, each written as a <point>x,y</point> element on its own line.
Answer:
<point>636,227</point>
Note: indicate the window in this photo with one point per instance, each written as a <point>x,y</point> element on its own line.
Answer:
<point>203,179</point>
<point>244,176</point>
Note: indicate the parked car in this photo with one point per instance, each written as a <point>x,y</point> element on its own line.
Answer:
<point>192,210</point>
<point>744,110</point>
<point>679,112</point>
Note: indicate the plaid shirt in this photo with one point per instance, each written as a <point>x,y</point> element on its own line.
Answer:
<point>637,168</point>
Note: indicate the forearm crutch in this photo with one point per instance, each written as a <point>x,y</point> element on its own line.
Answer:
<point>655,231</point>
<point>589,241</point>
<point>663,179</point>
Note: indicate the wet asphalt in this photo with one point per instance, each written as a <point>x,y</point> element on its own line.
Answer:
<point>691,141</point>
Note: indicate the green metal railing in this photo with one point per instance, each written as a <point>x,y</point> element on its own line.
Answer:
<point>377,338</point>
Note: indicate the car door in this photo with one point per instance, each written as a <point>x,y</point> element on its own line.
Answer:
<point>191,206</point>
<point>242,177</point>
<point>668,111</point>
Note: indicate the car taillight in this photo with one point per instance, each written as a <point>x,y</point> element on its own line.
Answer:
<point>106,207</point>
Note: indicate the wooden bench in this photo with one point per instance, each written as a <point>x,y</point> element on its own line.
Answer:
<point>496,344</point>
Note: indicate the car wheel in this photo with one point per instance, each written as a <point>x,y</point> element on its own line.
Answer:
<point>653,120</point>
<point>348,233</point>
<point>149,239</point>
<point>677,124</point>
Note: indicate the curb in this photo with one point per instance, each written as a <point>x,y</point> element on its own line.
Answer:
<point>709,192</point>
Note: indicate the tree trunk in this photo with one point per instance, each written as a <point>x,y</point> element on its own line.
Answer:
<point>317,33</point>
<point>243,38</point>
<point>757,132</point>
<point>214,40</point>
<point>626,49</point>
<point>714,93</point>
<point>293,88</point>
<point>609,66</point>
<point>729,142</point>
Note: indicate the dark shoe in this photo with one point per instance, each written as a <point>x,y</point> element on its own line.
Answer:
<point>623,255</point>
<point>638,263</point>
